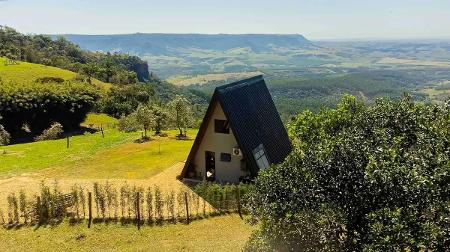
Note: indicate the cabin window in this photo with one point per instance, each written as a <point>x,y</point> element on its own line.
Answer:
<point>260,157</point>
<point>225,157</point>
<point>221,126</point>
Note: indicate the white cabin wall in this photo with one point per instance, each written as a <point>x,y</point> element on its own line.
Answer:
<point>219,143</point>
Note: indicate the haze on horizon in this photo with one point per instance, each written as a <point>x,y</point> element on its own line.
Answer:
<point>315,19</point>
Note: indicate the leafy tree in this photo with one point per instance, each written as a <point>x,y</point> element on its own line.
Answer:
<point>128,124</point>
<point>361,177</point>
<point>161,118</point>
<point>144,117</point>
<point>181,114</point>
<point>90,70</point>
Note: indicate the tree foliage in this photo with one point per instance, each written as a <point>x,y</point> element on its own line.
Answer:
<point>161,118</point>
<point>145,118</point>
<point>181,114</point>
<point>39,105</point>
<point>361,177</point>
<point>59,52</point>
<point>123,100</point>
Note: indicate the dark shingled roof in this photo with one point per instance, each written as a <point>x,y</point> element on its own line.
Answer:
<point>253,118</point>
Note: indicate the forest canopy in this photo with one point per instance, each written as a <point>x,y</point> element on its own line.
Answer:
<point>59,52</point>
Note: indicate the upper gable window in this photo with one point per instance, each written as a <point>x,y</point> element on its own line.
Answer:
<point>221,126</point>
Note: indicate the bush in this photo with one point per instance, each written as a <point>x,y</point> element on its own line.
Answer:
<point>5,137</point>
<point>39,105</point>
<point>54,132</point>
<point>128,124</point>
<point>360,178</point>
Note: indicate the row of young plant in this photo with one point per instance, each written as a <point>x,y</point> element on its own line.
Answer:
<point>125,204</point>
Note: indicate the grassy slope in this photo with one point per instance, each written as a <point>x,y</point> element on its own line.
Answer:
<point>225,233</point>
<point>24,71</point>
<point>91,156</point>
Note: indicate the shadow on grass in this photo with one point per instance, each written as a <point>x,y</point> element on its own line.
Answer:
<point>108,221</point>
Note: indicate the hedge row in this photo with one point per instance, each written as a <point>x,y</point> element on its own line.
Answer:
<point>38,105</point>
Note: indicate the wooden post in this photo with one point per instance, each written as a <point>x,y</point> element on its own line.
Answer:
<point>67,142</point>
<point>138,211</point>
<point>187,207</point>
<point>238,198</point>
<point>101,128</point>
<point>90,209</point>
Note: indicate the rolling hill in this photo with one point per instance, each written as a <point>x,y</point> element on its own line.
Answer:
<point>30,72</point>
<point>163,44</point>
<point>190,54</point>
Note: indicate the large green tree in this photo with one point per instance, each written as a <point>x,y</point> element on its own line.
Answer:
<point>161,118</point>
<point>181,114</point>
<point>361,177</point>
<point>145,118</point>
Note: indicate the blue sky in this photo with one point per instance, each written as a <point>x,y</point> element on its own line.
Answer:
<point>316,19</point>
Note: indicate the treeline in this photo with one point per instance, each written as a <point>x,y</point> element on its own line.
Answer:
<point>27,108</point>
<point>30,108</point>
<point>41,49</point>
<point>292,95</point>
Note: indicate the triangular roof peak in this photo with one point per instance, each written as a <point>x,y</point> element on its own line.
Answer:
<point>240,83</point>
<point>254,119</point>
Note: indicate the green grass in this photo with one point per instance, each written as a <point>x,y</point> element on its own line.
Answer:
<point>91,156</point>
<point>97,120</point>
<point>225,233</point>
<point>29,157</point>
<point>24,71</point>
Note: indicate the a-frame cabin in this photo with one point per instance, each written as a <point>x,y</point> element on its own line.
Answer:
<point>241,134</point>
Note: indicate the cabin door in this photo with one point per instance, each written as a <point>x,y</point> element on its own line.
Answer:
<point>210,165</point>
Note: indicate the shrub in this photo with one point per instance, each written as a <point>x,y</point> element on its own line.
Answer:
<point>360,178</point>
<point>13,209</point>
<point>23,205</point>
<point>159,204</point>
<point>170,205</point>
<point>5,137</point>
<point>54,132</point>
<point>149,201</point>
<point>128,124</point>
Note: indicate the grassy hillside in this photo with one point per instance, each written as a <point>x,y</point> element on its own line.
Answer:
<point>225,233</point>
<point>91,156</point>
<point>29,72</point>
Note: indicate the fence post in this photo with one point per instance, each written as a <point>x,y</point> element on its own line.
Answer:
<point>138,209</point>
<point>90,209</point>
<point>238,197</point>
<point>68,144</point>
<point>187,207</point>
<point>101,128</point>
